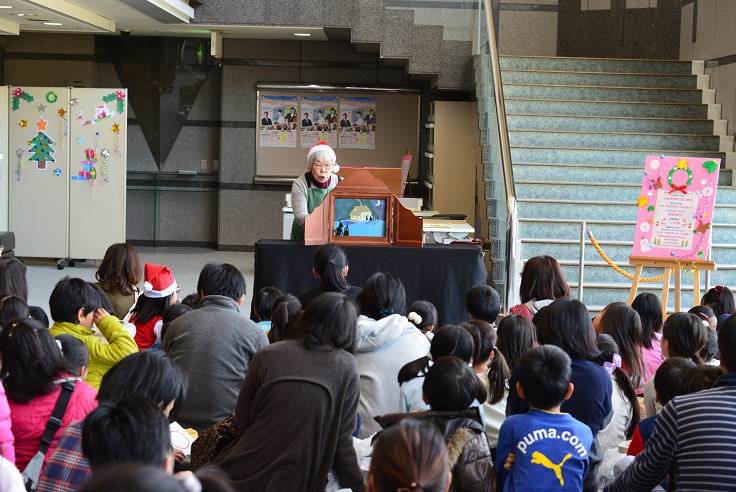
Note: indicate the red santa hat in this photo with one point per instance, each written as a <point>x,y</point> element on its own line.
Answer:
<point>159,282</point>
<point>323,146</point>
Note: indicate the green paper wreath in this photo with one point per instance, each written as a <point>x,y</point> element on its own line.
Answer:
<point>681,189</point>
<point>52,97</point>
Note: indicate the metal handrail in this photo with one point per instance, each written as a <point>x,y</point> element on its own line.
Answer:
<point>508,173</point>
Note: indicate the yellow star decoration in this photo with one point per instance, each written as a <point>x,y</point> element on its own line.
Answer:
<point>682,164</point>
<point>651,221</point>
<point>705,215</point>
<point>116,128</point>
<point>62,112</point>
<point>642,201</point>
<point>23,123</point>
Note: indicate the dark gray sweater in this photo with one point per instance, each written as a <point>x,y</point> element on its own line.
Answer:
<point>214,345</point>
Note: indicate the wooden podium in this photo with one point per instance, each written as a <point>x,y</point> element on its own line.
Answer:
<point>366,204</point>
<point>669,265</point>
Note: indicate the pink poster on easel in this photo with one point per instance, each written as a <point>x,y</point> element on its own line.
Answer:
<point>676,208</point>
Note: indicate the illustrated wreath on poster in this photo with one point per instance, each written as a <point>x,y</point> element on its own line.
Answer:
<point>681,166</point>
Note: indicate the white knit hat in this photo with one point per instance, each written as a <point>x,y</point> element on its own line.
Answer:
<point>324,147</point>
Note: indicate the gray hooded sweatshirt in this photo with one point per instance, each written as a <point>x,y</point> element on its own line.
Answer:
<point>382,348</point>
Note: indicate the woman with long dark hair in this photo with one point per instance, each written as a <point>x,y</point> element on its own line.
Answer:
<point>119,275</point>
<point>298,405</point>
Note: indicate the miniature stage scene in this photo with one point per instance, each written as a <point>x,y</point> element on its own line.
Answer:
<point>357,217</point>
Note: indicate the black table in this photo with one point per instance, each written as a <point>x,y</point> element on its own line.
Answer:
<point>440,274</point>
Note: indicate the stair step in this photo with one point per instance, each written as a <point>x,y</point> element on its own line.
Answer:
<point>665,81</point>
<point>556,138</point>
<point>524,171</point>
<point>589,210</point>
<point>594,157</point>
<point>595,65</point>
<point>617,251</point>
<point>606,124</point>
<point>595,192</point>
<point>601,273</point>
<point>568,92</point>
<point>575,106</point>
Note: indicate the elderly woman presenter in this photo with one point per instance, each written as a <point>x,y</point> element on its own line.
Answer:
<point>312,187</point>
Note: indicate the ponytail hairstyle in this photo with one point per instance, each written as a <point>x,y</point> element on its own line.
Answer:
<point>720,300</point>
<point>447,340</point>
<point>264,300</point>
<point>686,336</point>
<point>13,308</point>
<point>451,385</point>
<point>484,338</point>
<point>383,295</point>
<point>516,335</point>
<point>650,312</point>
<point>410,456</point>
<point>610,359</point>
<point>330,261</point>
<point>423,314</point>
<point>623,324</point>
<point>31,361</point>
<point>285,309</point>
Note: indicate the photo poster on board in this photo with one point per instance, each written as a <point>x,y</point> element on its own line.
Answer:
<point>318,116</point>
<point>676,208</point>
<point>358,123</point>
<point>279,119</point>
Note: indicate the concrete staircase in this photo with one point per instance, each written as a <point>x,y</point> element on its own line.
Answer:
<point>580,130</point>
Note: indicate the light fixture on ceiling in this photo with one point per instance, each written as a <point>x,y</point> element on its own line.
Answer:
<point>302,34</point>
<point>21,15</point>
<point>6,7</point>
<point>52,24</point>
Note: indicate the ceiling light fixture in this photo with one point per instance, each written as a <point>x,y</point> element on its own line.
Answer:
<point>303,34</point>
<point>5,7</point>
<point>52,24</point>
<point>21,15</point>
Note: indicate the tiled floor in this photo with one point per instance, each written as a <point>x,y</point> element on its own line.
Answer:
<point>185,263</point>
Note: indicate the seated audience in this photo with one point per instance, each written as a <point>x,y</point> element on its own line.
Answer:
<point>667,385</point>
<point>516,336</point>
<point>623,324</point>
<point>543,449</point>
<point>263,305</point>
<point>542,281</point>
<point>32,394</point>
<point>424,316</point>
<point>709,353</point>
<point>214,344</point>
<point>119,275</point>
<point>76,306</point>
<point>386,341</point>
<point>450,387</point>
<point>13,308</point>
<point>285,309</point>
<point>490,367</point>
<point>566,324</point>
<point>294,417</point>
<point>683,335</point>
<point>650,313</point>
<point>483,303</point>
<point>409,456</point>
<point>67,469</point>
<point>331,269</point>
<point>159,292</point>
<point>625,404</point>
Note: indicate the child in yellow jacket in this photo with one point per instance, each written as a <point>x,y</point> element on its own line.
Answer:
<point>75,307</point>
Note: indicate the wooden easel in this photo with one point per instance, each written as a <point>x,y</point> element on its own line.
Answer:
<point>669,265</point>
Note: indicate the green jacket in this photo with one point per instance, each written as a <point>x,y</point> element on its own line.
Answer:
<point>101,356</point>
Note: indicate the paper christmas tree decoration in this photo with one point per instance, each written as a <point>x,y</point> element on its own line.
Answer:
<point>41,150</point>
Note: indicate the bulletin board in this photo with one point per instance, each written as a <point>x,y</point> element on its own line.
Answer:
<point>676,204</point>
<point>66,170</point>
<point>97,171</point>
<point>396,116</point>
<point>38,193</point>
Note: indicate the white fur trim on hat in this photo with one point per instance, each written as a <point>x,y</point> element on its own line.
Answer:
<point>158,294</point>
<point>325,147</point>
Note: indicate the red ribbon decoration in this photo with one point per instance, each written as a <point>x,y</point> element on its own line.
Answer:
<point>675,188</point>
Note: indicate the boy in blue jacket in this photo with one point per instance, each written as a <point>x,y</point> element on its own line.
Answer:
<point>543,449</point>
